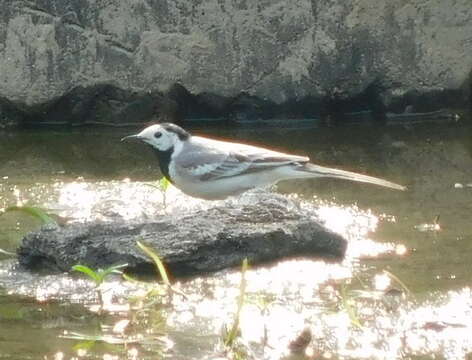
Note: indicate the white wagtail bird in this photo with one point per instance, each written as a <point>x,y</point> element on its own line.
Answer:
<point>212,169</point>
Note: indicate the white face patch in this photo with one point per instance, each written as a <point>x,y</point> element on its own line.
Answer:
<point>159,138</point>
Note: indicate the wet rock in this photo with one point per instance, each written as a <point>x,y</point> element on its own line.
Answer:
<point>240,60</point>
<point>201,242</point>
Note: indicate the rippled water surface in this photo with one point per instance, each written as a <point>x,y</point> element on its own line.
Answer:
<point>403,290</point>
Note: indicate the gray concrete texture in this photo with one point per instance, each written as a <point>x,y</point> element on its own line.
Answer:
<point>276,51</point>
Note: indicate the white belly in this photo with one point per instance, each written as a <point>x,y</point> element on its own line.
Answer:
<point>235,185</point>
<point>215,189</point>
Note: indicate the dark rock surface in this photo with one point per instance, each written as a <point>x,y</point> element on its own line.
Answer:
<point>108,62</point>
<point>198,243</point>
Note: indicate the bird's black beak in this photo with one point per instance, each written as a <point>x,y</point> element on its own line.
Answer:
<point>131,137</point>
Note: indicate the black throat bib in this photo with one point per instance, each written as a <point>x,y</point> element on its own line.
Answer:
<point>164,160</point>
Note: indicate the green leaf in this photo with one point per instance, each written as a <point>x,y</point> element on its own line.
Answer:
<point>113,340</point>
<point>132,279</point>
<point>234,331</point>
<point>13,311</point>
<point>99,276</point>
<point>89,272</point>
<point>161,184</point>
<point>349,307</point>
<point>159,264</point>
<point>164,183</point>
<point>37,212</point>
<point>114,269</point>
<point>84,345</point>
<point>397,279</point>
<point>109,339</point>
<point>5,252</point>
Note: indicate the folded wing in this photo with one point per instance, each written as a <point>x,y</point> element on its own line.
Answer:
<point>226,160</point>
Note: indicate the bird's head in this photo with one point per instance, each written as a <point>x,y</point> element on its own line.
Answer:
<point>162,137</point>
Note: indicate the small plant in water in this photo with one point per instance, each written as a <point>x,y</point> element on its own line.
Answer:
<point>7,253</point>
<point>349,305</point>
<point>397,279</point>
<point>143,326</point>
<point>231,335</point>
<point>160,268</point>
<point>37,212</point>
<point>162,185</point>
<point>146,322</point>
<point>99,276</point>
<point>263,301</point>
<point>157,261</point>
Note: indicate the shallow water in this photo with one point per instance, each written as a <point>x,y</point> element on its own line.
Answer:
<point>86,173</point>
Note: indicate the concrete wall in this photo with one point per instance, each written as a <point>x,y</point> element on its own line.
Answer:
<point>229,54</point>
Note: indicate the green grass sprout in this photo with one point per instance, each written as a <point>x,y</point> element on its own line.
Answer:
<point>157,261</point>
<point>162,185</point>
<point>99,276</point>
<point>348,304</point>
<point>34,211</point>
<point>160,268</point>
<point>8,253</point>
<point>397,279</point>
<point>234,331</point>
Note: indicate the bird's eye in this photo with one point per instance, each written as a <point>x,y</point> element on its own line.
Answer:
<point>158,135</point>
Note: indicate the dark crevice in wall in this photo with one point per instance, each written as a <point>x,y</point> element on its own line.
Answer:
<point>109,105</point>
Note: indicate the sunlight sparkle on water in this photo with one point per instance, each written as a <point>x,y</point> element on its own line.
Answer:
<point>124,200</point>
<point>281,299</point>
<point>382,281</point>
<point>110,357</point>
<point>355,225</point>
<point>102,200</point>
<point>401,249</point>
<point>59,355</point>
<point>349,221</point>
<point>82,352</point>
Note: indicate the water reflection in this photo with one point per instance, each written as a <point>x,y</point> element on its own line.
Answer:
<point>284,299</point>
<point>281,299</point>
